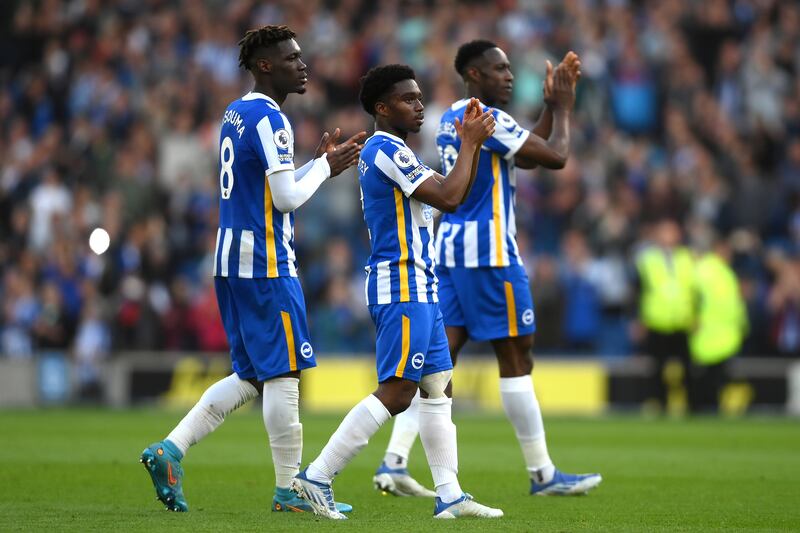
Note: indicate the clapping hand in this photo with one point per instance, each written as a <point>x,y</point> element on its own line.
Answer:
<point>572,65</point>
<point>340,156</point>
<point>477,126</point>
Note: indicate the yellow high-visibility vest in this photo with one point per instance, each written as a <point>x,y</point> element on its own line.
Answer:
<point>721,312</point>
<point>666,304</point>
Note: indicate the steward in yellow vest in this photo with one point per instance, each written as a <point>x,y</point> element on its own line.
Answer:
<point>721,322</point>
<point>667,285</point>
<point>720,327</point>
<point>666,302</point>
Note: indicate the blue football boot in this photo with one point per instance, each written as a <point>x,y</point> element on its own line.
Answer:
<point>318,495</point>
<point>464,507</point>
<point>398,481</point>
<point>566,484</point>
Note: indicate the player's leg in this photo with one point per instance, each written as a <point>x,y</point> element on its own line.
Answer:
<point>519,400</point>
<point>404,433</point>
<point>279,346</point>
<point>162,459</point>
<point>314,483</point>
<point>438,433</point>
<point>522,409</point>
<point>400,350</point>
<point>392,476</point>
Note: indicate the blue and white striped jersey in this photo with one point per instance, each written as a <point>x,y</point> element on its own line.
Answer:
<point>401,264</point>
<point>482,231</point>
<point>254,239</point>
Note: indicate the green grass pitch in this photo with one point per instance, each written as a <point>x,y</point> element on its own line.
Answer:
<point>77,470</point>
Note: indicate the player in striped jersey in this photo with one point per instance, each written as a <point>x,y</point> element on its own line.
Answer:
<point>483,286</point>
<point>259,295</point>
<point>411,349</point>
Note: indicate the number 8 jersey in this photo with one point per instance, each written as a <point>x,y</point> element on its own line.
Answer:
<point>254,239</point>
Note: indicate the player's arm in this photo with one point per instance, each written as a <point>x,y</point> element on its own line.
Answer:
<point>446,193</point>
<point>473,172</point>
<point>544,126</point>
<point>553,152</point>
<point>291,189</point>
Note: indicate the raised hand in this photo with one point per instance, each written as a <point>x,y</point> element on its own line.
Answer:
<point>323,143</point>
<point>563,95</point>
<point>477,126</point>
<point>472,112</point>
<point>572,64</point>
<point>341,156</point>
<point>547,84</point>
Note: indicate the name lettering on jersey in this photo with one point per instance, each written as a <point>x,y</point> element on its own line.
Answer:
<point>362,168</point>
<point>234,119</point>
<point>447,129</point>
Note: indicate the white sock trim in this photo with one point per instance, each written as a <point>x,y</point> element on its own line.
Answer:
<point>435,405</point>
<point>516,384</point>
<point>376,409</point>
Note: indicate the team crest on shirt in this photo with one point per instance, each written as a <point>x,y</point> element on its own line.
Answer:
<point>527,317</point>
<point>417,360</point>
<point>306,350</point>
<point>283,139</point>
<point>404,158</point>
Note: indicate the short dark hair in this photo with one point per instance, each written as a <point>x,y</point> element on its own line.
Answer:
<point>261,38</point>
<point>379,80</point>
<point>469,51</point>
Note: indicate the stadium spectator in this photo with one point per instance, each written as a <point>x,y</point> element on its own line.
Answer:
<point>580,286</point>
<point>109,116</point>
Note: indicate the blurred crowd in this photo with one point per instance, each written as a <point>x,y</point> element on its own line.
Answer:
<point>110,113</point>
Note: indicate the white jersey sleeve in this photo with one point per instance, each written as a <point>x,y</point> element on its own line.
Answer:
<point>274,143</point>
<point>290,192</point>
<point>400,165</point>
<point>508,136</point>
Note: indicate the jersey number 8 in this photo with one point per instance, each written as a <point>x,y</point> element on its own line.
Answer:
<point>226,172</point>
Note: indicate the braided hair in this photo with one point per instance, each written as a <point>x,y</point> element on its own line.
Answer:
<point>263,37</point>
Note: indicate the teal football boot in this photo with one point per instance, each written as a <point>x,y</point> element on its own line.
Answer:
<point>163,462</point>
